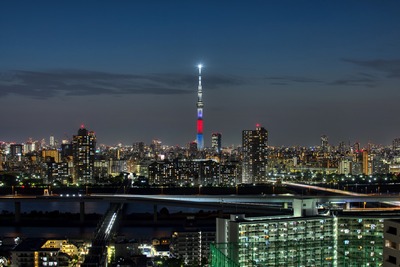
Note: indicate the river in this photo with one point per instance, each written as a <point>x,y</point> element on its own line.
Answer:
<point>139,232</point>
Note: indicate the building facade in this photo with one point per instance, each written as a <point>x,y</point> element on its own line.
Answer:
<point>216,142</point>
<point>35,252</point>
<point>254,153</point>
<point>341,240</point>
<point>275,241</point>
<point>84,149</point>
<point>391,250</point>
<point>193,247</point>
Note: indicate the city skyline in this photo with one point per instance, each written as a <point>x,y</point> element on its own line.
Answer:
<point>128,71</point>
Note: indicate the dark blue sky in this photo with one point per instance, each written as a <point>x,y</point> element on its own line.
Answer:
<point>127,70</point>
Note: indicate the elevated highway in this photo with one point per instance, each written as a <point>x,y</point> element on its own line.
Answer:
<point>193,200</point>
<point>251,202</point>
<point>234,202</point>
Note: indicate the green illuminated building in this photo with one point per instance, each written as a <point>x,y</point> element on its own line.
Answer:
<point>360,240</point>
<point>307,239</point>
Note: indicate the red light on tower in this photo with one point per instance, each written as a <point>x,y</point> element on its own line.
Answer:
<point>257,125</point>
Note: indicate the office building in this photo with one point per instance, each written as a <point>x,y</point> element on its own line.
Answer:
<point>216,142</point>
<point>16,150</point>
<point>324,143</point>
<point>84,148</point>
<point>52,153</point>
<point>254,149</point>
<point>52,141</point>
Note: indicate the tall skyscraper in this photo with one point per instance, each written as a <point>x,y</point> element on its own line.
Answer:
<point>200,140</point>
<point>254,145</point>
<point>216,142</point>
<point>84,148</point>
<point>324,143</point>
<point>52,141</point>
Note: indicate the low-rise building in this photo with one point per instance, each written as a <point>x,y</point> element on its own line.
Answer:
<point>35,252</point>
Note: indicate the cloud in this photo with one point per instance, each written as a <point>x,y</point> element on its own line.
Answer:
<point>359,79</point>
<point>390,67</point>
<point>44,85</point>
<point>356,81</point>
<point>284,80</point>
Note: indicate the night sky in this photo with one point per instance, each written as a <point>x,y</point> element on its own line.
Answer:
<point>127,70</point>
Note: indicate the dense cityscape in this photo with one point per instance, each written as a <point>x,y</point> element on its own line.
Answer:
<point>293,232</point>
<point>298,232</point>
<point>81,161</point>
<point>54,168</point>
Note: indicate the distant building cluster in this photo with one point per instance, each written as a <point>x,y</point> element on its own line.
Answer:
<point>81,160</point>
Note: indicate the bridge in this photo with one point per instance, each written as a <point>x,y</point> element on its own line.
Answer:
<point>98,251</point>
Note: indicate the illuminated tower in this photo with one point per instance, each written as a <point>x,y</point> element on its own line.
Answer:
<point>200,140</point>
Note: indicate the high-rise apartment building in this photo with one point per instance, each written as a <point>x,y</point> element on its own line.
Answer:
<point>324,143</point>
<point>391,250</point>
<point>355,239</point>
<point>84,148</point>
<point>216,142</point>
<point>193,247</point>
<point>274,241</point>
<point>254,146</point>
<point>52,141</point>
<point>359,239</point>
<point>366,162</point>
<point>138,149</point>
